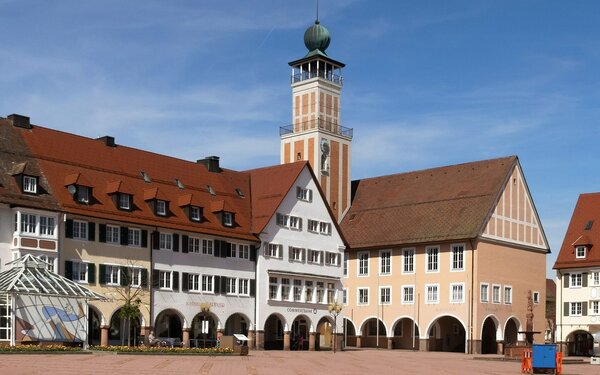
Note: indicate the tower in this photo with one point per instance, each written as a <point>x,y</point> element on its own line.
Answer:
<point>316,134</point>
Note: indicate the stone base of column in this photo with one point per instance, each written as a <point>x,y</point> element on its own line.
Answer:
<point>186,338</point>
<point>104,335</point>
<point>286,340</point>
<point>260,340</point>
<point>311,341</point>
<point>359,341</point>
<point>390,343</point>
<point>251,344</point>
<point>474,346</point>
<point>500,347</point>
<point>423,345</point>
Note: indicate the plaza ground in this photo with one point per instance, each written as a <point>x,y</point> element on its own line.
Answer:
<point>363,362</point>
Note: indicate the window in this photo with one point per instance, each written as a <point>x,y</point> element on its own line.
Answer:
<point>495,293</point>
<point>432,294</point>
<point>124,201</point>
<point>164,280</point>
<point>243,289</point>
<point>507,295</point>
<point>166,241</point>
<point>273,250</point>
<point>207,247</point>
<point>432,259</point>
<point>303,194</point>
<point>296,254</point>
<point>80,229</point>
<point>576,280</point>
<point>314,256</point>
<point>408,294</point>
<point>28,223</point>
<point>346,258</point>
<point>385,295</point>
<point>345,296</point>
<point>273,287</point>
<point>331,259</point>
<point>308,288</point>
<point>228,219</point>
<point>194,245</point>
<point>385,262</point>
<point>320,292</point>
<point>80,272</point>
<point>576,309</point>
<point>135,277</point>
<point>596,278</point>
<point>194,283</point>
<point>244,251</point>
<point>363,296</point>
<point>83,194</point>
<point>458,257</point>
<point>161,207</point>
<point>408,261</point>
<point>285,289</point>
<point>313,226</point>
<point>297,290</point>
<point>595,307</point>
<point>50,260</point>
<point>457,295</point>
<point>134,237</point>
<point>484,291</point>
<point>233,250</point>
<point>325,228</point>
<point>331,292</point>
<point>207,283</point>
<point>195,213</point>
<point>112,234</point>
<point>29,184</point>
<point>231,285</point>
<point>536,297</point>
<point>580,252</point>
<point>47,226</point>
<point>363,264</point>
<point>113,274</point>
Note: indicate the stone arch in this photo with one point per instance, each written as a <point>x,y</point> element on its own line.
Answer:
<point>208,339</point>
<point>123,332</point>
<point>169,323</point>
<point>580,343</point>
<point>299,332</point>
<point>490,334</point>
<point>273,332</point>
<point>349,329</point>
<point>236,323</point>
<point>370,328</point>
<point>95,320</point>
<point>402,335</point>
<point>446,333</point>
<point>512,326</point>
<point>324,333</point>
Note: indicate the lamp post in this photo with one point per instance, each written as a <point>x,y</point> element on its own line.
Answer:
<point>205,309</point>
<point>335,308</point>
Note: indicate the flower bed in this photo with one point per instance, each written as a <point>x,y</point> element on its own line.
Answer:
<point>162,350</point>
<point>39,348</point>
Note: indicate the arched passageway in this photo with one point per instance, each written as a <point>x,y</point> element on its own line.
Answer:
<point>488,336</point>
<point>94,331</point>
<point>447,334</point>
<point>123,331</point>
<point>373,335</point>
<point>236,323</point>
<point>299,338</point>
<point>168,324</point>
<point>406,335</point>
<point>580,343</point>
<point>200,338</point>
<point>511,332</point>
<point>273,333</point>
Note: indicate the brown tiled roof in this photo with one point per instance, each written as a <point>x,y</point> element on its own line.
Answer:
<point>63,154</point>
<point>439,204</point>
<point>15,159</point>
<point>586,210</point>
<point>550,289</point>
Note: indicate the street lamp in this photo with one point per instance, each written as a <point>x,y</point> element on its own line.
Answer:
<point>335,308</point>
<point>205,308</point>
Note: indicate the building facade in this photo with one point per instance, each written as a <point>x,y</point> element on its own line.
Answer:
<point>578,281</point>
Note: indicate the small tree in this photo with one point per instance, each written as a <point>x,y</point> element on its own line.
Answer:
<point>130,296</point>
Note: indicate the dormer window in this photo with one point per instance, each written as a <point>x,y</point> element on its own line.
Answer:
<point>30,184</point>
<point>124,201</point>
<point>161,207</point>
<point>580,252</point>
<point>82,195</point>
<point>195,213</point>
<point>228,219</point>
<point>211,190</point>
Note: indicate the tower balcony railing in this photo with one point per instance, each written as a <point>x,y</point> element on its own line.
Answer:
<point>328,75</point>
<point>318,123</point>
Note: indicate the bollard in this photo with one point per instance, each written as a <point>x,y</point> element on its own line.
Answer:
<point>559,358</point>
<point>526,367</point>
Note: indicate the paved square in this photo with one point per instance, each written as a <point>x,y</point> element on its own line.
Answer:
<point>369,362</point>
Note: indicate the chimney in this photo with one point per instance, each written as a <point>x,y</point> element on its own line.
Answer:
<point>108,140</point>
<point>20,121</point>
<point>211,163</point>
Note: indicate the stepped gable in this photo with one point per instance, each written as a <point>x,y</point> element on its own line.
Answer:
<point>111,168</point>
<point>584,230</point>
<point>438,204</point>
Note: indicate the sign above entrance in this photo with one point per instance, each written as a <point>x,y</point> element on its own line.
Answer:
<point>301,311</point>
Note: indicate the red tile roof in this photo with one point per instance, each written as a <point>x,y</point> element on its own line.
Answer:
<point>586,210</point>
<point>64,156</point>
<point>439,204</point>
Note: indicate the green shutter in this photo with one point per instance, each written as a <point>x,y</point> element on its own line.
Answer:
<point>69,228</point>
<point>69,269</point>
<point>102,232</point>
<point>91,273</point>
<point>102,276</point>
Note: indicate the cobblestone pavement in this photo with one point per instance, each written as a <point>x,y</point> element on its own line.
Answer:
<point>369,362</point>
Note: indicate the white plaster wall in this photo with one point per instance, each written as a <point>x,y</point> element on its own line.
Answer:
<point>567,324</point>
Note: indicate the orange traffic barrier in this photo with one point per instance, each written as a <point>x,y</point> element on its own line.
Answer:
<point>526,365</point>
<point>559,358</point>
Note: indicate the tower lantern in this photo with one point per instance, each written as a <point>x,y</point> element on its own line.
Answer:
<point>316,133</point>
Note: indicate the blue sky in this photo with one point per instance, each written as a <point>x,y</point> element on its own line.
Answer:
<point>427,83</point>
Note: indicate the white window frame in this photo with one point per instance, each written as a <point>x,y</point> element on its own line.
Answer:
<point>324,228</point>
<point>135,280</point>
<point>134,237</point>
<point>285,289</point>
<point>304,194</point>
<point>80,230</point>
<point>360,265</point>
<point>457,252</point>
<point>484,298</point>
<point>297,290</point>
<point>207,246</point>
<point>296,254</point>
<point>29,184</point>
<point>28,223</point>
<point>50,260</point>
<point>208,284</point>
<point>435,288</point>
<point>194,283</point>
<point>77,273</point>
<point>535,296</point>
<point>575,309</point>
<point>194,245</point>
<point>496,287</point>
<point>231,286</point>
<point>432,254</point>
<point>47,226</point>
<point>161,207</point>
<point>345,296</point>
<point>195,213</point>
<point>112,275</point>
<point>83,194</point>
<point>227,219</point>
<point>273,250</point>
<point>243,251</point>
<point>331,258</point>
<point>576,280</point>
<point>594,308</point>
<point>346,263</point>
<point>389,295</point>
<point>274,287</point>
<point>364,297</point>
<point>165,241</point>
<point>408,253</point>
<point>405,300</point>
<point>314,256</point>
<point>124,201</point>
<point>595,276</point>
<point>243,287</point>
<point>113,234</point>
<point>580,252</point>
<point>313,226</point>
<point>507,289</point>
<point>385,267</point>
<point>457,293</point>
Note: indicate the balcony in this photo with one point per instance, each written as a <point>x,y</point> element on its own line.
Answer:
<point>328,75</point>
<point>326,126</point>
